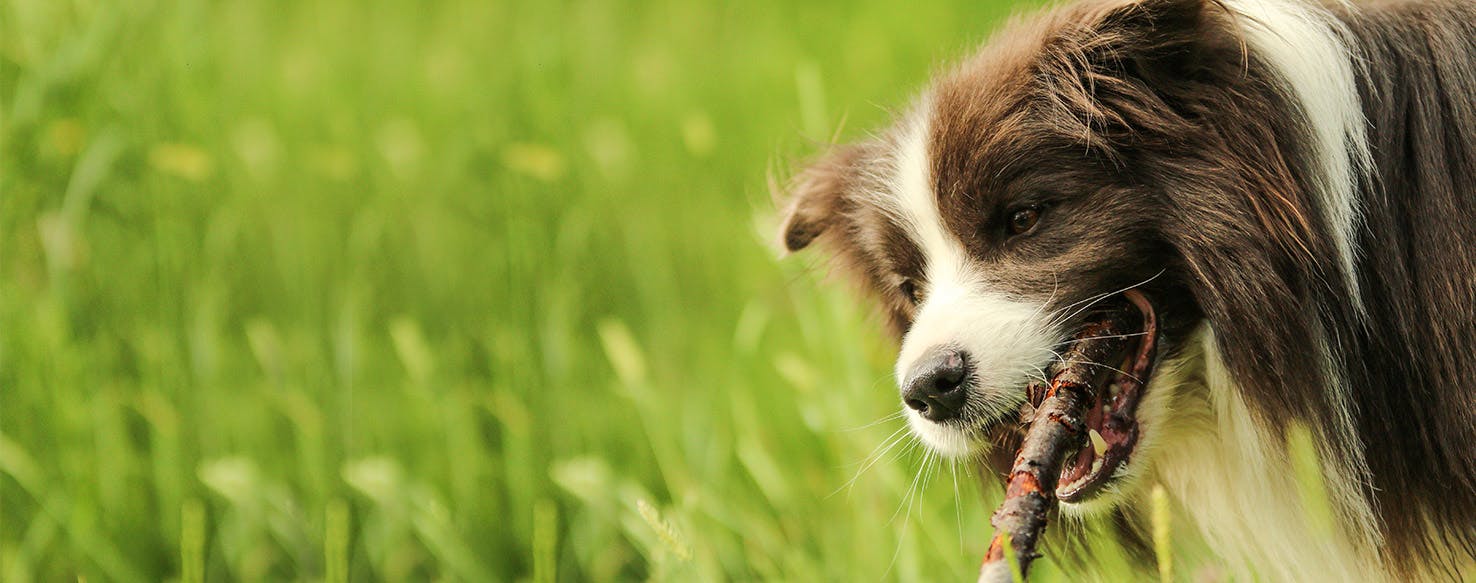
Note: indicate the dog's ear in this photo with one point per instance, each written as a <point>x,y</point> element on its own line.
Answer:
<point>1149,37</point>
<point>816,197</point>
<point>1152,24</point>
<point>1127,70</point>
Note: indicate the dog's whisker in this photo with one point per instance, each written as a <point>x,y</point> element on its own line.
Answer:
<point>893,436</point>
<point>897,437</point>
<point>1074,341</point>
<point>1108,367</point>
<point>907,520</point>
<point>1055,287</point>
<point>893,416</point>
<point>911,487</point>
<point>1100,297</point>
<point>957,502</point>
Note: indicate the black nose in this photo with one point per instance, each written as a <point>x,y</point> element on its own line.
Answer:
<point>936,387</point>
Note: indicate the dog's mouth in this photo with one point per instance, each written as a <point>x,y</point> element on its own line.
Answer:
<point>1111,421</point>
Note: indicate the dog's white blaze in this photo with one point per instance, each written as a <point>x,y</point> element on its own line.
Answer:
<point>1311,50</point>
<point>1006,339</point>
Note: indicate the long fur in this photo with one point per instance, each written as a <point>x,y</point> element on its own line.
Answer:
<point>1293,183</point>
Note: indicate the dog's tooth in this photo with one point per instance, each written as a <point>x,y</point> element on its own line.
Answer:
<point>1099,444</point>
<point>1114,389</point>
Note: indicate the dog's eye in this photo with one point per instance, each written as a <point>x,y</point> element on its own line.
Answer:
<point>1023,219</point>
<point>909,290</point>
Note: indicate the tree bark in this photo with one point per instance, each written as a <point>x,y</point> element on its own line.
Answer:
<point>1058,429</point>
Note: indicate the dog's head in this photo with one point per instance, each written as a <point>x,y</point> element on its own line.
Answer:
<point>1092,150</point>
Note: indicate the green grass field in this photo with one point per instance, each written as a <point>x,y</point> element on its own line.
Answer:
<point>472,291</point>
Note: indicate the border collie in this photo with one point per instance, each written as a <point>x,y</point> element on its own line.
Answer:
<point>1293,184</point>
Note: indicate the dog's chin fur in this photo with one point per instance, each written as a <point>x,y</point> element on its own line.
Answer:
<point>1298,174</point>
<point>944,440</point>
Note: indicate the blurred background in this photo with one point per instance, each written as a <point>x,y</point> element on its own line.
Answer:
<point>474,291</point>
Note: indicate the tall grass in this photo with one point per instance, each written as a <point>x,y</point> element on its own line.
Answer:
<point>465,290</point>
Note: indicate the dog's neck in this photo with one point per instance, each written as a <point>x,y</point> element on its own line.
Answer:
<point>1235,483</point>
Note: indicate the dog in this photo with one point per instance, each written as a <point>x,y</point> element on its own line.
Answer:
<point>1291,184</point>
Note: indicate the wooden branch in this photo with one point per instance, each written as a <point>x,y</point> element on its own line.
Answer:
<point>1057,429</point>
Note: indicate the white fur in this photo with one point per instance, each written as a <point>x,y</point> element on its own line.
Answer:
<point>1314,54</point>
<point>1235,483</point>
<point>1345,467</point>
<point>1006,339</point>
<point>1312,51</point>
<point>946,440</point>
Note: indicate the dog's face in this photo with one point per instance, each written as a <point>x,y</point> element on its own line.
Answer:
<point>988,227</point>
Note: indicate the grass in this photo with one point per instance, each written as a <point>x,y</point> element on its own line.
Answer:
<point>390,290</point>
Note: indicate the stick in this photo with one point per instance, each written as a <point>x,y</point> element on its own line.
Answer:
<point>1057,429</point>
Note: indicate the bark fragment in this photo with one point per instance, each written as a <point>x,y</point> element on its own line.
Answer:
<point>1058,429</point>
